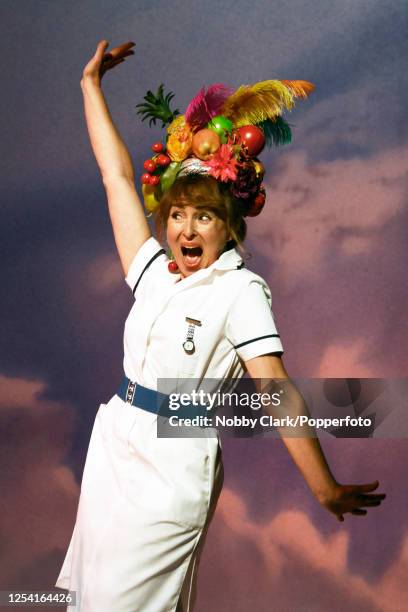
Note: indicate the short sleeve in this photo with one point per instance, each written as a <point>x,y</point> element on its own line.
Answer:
<point>146,258</point>
<point>251,326</point>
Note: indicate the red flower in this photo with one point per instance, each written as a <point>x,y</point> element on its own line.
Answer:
<point>223,165</point>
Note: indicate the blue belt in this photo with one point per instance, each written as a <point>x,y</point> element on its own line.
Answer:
<point>156,402</point>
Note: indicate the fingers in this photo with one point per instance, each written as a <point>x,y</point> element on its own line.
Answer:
<point>369,497</point>
<point>110,64</point>
<point>369,486</point>
<point>112,56</point>
<point>374,495</point>
<point>102,46</point>
<point>115,62</point>
<point>122,50</point>
<point>124,47</point>
<point>371,503</point>
<point>127,53</point>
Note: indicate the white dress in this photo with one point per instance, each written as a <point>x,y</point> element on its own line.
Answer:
<point>146,502</point>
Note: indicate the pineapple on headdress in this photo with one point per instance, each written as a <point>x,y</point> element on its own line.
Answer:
<point>157,107</point>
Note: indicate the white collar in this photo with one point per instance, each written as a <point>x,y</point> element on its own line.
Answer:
<point>229,260</point>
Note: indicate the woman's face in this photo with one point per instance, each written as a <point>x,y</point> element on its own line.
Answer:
<point>196,237</point>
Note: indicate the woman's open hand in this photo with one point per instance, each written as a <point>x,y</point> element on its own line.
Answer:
<point>103,61</point>
<point>352,498</point>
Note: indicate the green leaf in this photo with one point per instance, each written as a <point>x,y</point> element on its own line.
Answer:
<point>157,107</point>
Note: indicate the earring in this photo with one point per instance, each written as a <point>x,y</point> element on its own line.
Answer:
<point>172,265</point>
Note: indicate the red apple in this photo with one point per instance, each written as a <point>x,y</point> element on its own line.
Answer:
<point>253,138</point>
<point>205,143</point>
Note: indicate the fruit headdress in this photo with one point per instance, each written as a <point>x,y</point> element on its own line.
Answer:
<point>220,134</point>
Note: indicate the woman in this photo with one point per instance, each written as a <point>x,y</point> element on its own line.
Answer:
<point>146,502</point>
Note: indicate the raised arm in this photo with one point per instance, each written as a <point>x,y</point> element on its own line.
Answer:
<point>126,212</point>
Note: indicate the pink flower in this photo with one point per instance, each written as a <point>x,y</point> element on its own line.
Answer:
<point>223,165</point>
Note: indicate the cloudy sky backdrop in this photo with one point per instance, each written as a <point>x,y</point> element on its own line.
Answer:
<point>331,243</point>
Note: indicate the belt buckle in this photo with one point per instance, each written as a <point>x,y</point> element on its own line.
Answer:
<point>130,392</point>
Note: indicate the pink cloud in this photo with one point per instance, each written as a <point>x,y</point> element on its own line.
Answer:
<point>393,586</point>
<point>309,204</point>
<point>23,394</point>
<point>104,274</point>
<point>344,360</point>
<point>39,492</point>
<point>287,564</point>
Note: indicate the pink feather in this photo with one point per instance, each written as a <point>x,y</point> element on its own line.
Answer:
<point>197,108</point>
<point>216,96</point>
<point>207,104</point>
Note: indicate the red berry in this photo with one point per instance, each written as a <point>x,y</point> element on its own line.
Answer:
<point>150,165</point>
<point>154,180</point>
<point>157,147</point>
<point>145,178</point>
<point>163,160</point>
<point>172,266</point>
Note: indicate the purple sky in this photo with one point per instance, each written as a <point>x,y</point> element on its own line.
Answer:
<point>331,242</point>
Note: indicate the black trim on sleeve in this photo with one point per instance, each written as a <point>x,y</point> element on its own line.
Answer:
<point>255,340</point>
<point>161,252</point>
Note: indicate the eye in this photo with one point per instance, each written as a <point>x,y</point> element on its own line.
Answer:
<point>176,214</point>
<point>205,216</point>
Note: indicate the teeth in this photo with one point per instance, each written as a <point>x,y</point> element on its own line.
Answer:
<point>187,250</point>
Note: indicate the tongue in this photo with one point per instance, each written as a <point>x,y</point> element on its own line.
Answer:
<point>191,261</point>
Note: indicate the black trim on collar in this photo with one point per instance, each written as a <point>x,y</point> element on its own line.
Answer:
<point>255,340</point>
<point>161,252</point>
<point>241,265</point>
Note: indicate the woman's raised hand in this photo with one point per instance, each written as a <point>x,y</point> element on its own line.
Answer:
<point>352,498</point>
<point>103,61</point>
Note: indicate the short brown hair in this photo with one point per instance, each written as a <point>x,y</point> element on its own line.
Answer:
<point>201,190</point>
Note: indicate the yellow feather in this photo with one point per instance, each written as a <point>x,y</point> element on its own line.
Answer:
<point>254,103</point>
<point>251,104</point>
<point>300,89</point>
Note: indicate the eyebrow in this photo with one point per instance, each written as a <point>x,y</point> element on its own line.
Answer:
<point>208,207</point>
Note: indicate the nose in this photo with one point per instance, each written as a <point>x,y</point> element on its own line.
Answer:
<point>189,229</point>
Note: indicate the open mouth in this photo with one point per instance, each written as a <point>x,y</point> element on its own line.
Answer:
<point>191,255</point>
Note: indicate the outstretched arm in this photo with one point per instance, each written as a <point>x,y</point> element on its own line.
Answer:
<point>126,212</point>
<point>306,451</point>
